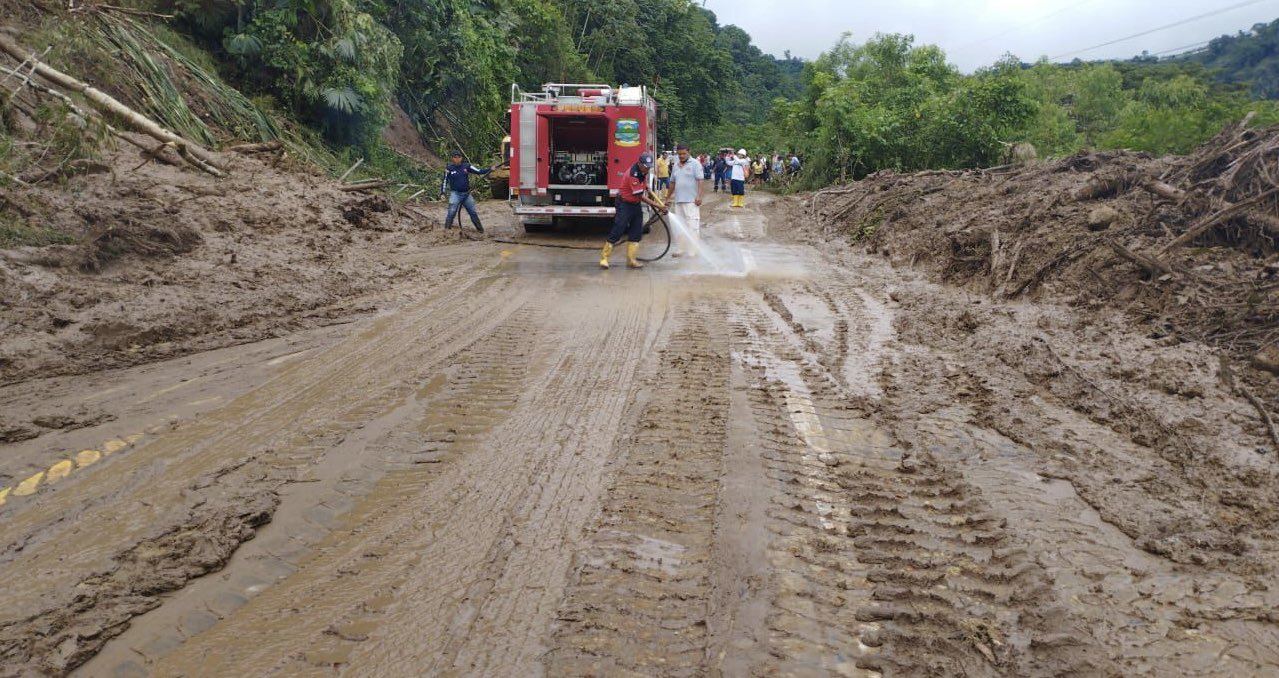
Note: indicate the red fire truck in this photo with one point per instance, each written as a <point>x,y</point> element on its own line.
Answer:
<point>571,146</point>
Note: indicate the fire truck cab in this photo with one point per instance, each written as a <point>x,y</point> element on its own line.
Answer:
<point>571,146</point>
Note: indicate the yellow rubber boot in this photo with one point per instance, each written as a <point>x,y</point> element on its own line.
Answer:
<point>604,254</point>
<point>632,250</point>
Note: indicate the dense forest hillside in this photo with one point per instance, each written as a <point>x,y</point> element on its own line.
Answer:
<point>340,64</point>
<point>333,74</point>
<point>1248,58</point>
<point>331,77</point>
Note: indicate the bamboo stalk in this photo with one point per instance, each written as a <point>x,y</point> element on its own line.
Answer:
<point>264,147</point>
<point>204,159</point>
<point>75,108</point>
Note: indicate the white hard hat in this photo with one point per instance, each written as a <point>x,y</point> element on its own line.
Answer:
<point>741,151</point>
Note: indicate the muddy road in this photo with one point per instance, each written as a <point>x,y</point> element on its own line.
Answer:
<point>773,461</point>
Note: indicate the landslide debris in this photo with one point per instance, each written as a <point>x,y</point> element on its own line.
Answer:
<point>1186,245</point>
<point>162,260</point>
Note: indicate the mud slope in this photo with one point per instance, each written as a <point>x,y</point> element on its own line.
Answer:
<point>167,261</point>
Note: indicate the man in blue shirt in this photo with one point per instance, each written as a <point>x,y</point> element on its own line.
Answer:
<point>721,171</point>
<point>457,182</point>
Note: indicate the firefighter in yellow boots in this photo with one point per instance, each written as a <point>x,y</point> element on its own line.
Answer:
<point>630,212</point>
<point>737,182</point>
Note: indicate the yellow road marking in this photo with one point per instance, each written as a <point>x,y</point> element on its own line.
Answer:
<point>29,485</point>
<point>59,471</point>
<point>64,467</point>
<point>87,458</point>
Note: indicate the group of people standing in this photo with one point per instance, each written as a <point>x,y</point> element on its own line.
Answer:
<point>759,170</point>
<point>681,180</point>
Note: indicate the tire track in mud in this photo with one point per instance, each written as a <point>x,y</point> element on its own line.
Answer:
<point>460,567</point>
<point>236,456</point>
<point>907,569</point>
<point>810,624</point>
<point>638,601</point>
<point>821,316</point>
<point>419,433</point>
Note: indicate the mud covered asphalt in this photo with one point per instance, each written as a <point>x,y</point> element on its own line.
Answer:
<point>802,462</point>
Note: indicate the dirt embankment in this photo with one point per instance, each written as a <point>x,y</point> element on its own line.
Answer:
<point>1185,245</point>
<point>166,261</point>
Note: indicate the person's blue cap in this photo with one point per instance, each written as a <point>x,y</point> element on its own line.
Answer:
<point>646,159</point>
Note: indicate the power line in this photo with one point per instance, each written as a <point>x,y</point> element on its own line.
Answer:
<point>1184,48</point>
<point>1161,28</point>
<point>1028,24</point>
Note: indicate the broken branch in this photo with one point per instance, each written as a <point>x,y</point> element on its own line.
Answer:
<point>1153,267</point>
<point>1221,215</point>
<point>350,169</point>
<point>1165,191</point>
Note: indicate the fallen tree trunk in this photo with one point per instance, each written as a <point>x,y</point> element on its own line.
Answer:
<point>367,185</point>
<point>197,155</point>
<point>264,147</point>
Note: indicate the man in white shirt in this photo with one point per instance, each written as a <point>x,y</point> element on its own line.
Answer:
<point>684,196</point>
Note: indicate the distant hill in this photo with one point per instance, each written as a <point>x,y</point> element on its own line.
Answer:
<point>1248,58</point>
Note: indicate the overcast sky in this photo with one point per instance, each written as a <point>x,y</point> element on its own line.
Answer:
<point>975,33</point>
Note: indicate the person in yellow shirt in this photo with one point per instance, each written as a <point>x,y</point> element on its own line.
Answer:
<point>663,171</point>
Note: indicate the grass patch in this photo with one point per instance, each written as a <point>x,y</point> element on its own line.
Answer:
<point>15,232</point>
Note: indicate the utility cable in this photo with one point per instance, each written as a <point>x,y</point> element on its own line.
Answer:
<point>1161,28</point>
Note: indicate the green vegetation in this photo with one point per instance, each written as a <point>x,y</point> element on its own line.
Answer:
<point>1248,59</point>
<point>16,232</point>
<point>327,75</point>
<point>224,70</point>
<point>888,104</point>
<point>891,104</point>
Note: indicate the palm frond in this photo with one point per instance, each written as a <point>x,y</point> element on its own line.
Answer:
<point>343,99</point>
<point>244,44</point>
<point>344,48</point>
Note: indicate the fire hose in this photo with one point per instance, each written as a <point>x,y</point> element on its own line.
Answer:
<point>650,225</point>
